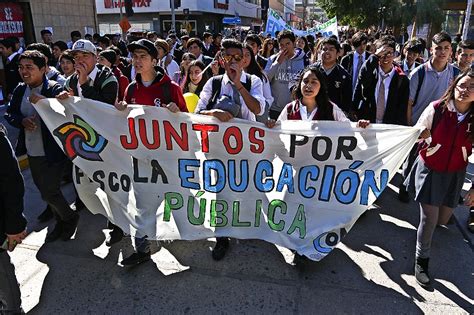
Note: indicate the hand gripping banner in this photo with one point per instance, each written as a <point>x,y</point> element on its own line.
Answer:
<point>301,185</point>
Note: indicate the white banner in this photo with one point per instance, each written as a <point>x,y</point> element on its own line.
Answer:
<point>276,23</point>
<point>301,185</point>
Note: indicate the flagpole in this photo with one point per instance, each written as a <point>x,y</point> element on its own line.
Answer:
<point>467,18</point>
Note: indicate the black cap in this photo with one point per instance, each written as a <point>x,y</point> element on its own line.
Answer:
<point>110,55</point>
<point>144,44</point>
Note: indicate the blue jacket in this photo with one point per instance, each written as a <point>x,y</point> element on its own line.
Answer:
<point>14,117</point>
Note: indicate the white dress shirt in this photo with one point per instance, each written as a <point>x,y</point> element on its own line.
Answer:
<point>337,113</point>
<point>407,69</point>
<point>226,89</point>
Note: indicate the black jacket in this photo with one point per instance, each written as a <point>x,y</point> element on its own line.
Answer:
<point>339,86</point>
<point>104,88</point>
<point>211,52</point>
<point>14,117</point>
<point>12,75</point>
<point>262,61</point>
<point>347,62</point>
<point>178,55</point>
<point>364,102</point>
<point>12,190</point>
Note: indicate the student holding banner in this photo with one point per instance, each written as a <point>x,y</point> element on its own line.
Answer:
<point>311,101</point>
<point>234,94</point>
<point>151,87</point>
<point>46,159</point>
<point>437,177</point>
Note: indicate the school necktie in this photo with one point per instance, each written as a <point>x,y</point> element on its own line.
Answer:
<point>357,70</point>
<point>381,99</point>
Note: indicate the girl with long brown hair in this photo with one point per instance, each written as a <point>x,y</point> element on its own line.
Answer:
<point>438,174</point>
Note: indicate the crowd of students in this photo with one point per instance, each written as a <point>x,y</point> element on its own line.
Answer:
<point>368,79</point>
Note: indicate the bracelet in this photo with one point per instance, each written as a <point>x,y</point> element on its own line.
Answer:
<point>240,88</point>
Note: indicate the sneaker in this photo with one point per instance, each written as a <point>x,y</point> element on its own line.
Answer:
<point>219,251</point>
<point>55,233</point>
<point>70,228</point>
<point>470,222</point>
<point>421,272</point>
<point>136,259</point>
<point>299,260</point>
<point>403,194</point>
<point>46,215</point>
<point>79,205</point>
<point>114,236</point>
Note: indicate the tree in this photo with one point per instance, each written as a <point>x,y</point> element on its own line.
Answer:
<point>360,13</point>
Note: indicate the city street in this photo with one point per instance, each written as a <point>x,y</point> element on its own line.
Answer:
<point>369,272</point>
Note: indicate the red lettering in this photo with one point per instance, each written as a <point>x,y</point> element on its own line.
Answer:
<point>170,132</point>
<point>257,145</point>
<point>143,136</point>
<point>205,129</point>
<point>133,143</point>
<point>237,135</point>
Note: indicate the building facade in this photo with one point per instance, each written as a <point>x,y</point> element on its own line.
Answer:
<point>155,15</point>
<point>455,14</point>
<point>26,18</point>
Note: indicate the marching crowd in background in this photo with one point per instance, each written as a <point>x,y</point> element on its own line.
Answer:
<point>363,77</point>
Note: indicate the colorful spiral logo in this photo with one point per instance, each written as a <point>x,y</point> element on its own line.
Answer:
<point>80,139</point>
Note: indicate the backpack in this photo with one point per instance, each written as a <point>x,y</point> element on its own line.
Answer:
<point>216,89</point>
<point>421,77</point>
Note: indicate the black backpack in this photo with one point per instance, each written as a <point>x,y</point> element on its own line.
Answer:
<point>421,77</point>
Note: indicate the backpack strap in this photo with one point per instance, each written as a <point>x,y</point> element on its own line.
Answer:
<point>456,72</point>
<point>131,89</point>
<point>54,77</point>
<point>216,88</point>
<point>248,83</point>
<point>421,77</point>
<point>437,116</point>
<point>167,92</point>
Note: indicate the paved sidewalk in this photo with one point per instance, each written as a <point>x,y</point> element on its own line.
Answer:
<point>369,272</point>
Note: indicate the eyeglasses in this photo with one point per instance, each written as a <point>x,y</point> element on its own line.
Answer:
<point>236,57</point>
<point>464,88</point>
<point>387,55</point>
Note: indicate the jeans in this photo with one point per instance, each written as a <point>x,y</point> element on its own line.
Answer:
<point>47,177</point>
<point>141,245</point>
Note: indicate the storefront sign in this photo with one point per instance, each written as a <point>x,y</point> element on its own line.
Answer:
<point>11,20</point>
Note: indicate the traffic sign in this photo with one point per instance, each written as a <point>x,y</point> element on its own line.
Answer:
<point>231,20</point>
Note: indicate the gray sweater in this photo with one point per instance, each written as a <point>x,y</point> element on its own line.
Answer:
<point>283,77</point>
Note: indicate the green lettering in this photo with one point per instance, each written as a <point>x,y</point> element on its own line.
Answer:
<point>236,214</point>
<point>218,214</point>
<point>258,212</point>
<point>202,211</point>
<point>173,201</point>
<point>299,222</point>
<point>274,204</point>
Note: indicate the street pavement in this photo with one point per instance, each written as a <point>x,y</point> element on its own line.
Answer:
<point>370,271</point>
